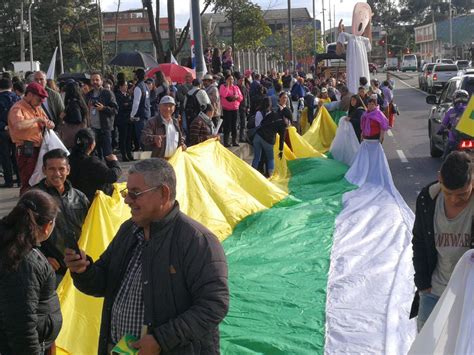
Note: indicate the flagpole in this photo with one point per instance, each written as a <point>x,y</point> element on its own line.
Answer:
<point>60,49</point>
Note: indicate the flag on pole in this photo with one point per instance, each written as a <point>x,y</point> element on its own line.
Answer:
<point>173,60</point>
<point>52,66</point>
<point>466,123</point>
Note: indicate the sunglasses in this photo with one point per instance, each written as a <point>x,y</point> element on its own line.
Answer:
<point>135,195</point>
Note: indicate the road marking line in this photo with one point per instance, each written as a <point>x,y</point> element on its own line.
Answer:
<point>389,133</point>
<point>412,87</point>
<point>402,156</point>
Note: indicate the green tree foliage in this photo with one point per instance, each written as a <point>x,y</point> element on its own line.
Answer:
<point>79,29</point>
<point>250,27</point>
<point>303,42</point>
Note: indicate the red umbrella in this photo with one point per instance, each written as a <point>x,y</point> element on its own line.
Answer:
<point>174,72</point>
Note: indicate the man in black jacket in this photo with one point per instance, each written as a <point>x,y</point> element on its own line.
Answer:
<point>7,148</point>
<point>443,231</point>
<point>163,277</point>
<point>73,207</point>
<point>103,109</point>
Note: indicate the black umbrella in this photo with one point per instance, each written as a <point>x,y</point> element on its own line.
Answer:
<point>134,59</point>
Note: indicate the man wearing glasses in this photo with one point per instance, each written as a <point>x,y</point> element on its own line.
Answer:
<point>163,277</point>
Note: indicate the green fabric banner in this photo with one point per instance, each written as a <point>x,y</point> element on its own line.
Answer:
<point>278,265</point>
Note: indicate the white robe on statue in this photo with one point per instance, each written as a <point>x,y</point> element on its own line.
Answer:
<point>356,59</point>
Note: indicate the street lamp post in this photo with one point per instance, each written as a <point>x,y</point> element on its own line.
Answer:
<point>450,29</point>
<point>30,35</point>
<point>22,33</point>
<point>290,30</point>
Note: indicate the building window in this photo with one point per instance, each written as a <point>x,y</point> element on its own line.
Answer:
<point>134,29</point>
<point>136,15</point>
<point>109,29</point>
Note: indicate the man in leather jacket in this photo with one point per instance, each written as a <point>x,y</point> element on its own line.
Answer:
<point>163,277</point>
<point>73,207</point>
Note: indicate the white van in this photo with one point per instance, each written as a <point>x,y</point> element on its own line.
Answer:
<point>409,62</point>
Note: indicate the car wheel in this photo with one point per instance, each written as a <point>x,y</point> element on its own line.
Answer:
<point>434,151</point>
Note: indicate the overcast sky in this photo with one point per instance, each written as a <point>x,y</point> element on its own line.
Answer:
<point>343,8</point>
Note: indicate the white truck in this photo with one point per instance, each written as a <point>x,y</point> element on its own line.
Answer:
<point>23,67</point>
<point>440,75</point>
<point>392,64</point>
<point>409,62</point>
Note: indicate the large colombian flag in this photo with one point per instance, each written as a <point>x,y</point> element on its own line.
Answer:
<point>316,264</point>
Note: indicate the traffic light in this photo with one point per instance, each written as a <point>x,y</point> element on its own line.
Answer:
<point>382,42</point>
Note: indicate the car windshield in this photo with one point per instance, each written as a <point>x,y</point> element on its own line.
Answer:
<point>446,68</point>
<point>468,85</point>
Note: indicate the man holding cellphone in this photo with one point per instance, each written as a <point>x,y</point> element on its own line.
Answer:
<point>102,108</point>
<point>163,277</point>
<point>26,122</point>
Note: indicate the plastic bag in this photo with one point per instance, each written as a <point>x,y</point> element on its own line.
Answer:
<point>345,145</point>
<point>50,141</point>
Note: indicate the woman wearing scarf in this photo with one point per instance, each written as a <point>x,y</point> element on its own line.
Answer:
<point>373,123</point>
<point>202,127</point>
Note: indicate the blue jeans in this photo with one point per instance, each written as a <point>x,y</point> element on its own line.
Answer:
<point>103,142</point>
<point>427,303</point>
<point>139,125</point>
<point>259,145</point>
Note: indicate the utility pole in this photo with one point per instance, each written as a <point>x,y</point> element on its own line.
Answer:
<point>171,27</point>
<point>101,37</point>
<point>314,27</point>
<point>22,32</point>
<point>450,30</point>
<point>30,35</point>
<point>434,31</point>
<point>60,48</point>
<point>197,34</point>
<point>290,39</point>
<point>330,23</point>
<point>324,24</point>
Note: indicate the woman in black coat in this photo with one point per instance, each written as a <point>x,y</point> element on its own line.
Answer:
<point>30,315</point>
<point>216,61</point>
<point>356,110</point>
<point>76,114</point>
<point>88,172</point>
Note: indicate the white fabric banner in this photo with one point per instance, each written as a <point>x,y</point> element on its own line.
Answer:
<point>52,66</point>
<point>450,326</point>
<point>370,284</point>
<point>345,145</point>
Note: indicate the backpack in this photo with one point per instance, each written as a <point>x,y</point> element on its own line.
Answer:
<point>6,103</point>
<point>192,108</point>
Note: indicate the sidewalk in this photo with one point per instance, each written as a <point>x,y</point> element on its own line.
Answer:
<point>9,197</point>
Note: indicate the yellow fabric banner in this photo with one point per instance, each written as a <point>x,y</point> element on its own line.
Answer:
<point>466,123</point>
<point>322,131</point>
<point>214,187</point>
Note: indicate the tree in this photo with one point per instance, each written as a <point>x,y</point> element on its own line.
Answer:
<point>154,21</point>
<point>303,42</point>
<point>250,27</point>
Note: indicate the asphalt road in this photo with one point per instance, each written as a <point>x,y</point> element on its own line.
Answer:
<point>407,145</point>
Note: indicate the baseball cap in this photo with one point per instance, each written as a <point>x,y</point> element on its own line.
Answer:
<point>37,89</point>
<point>167,100</point>
<point>324,90</point>
<point>208,77</point>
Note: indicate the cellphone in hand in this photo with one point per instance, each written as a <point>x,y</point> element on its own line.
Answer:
<point>71,243</point>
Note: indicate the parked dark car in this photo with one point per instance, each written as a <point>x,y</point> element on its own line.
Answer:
<point>439,108</point>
